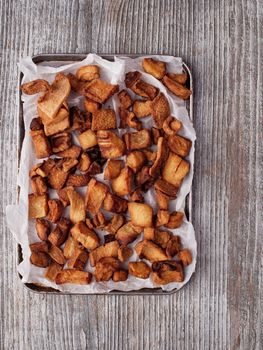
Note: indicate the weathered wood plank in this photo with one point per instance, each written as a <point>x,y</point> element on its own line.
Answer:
<point>220,307</point>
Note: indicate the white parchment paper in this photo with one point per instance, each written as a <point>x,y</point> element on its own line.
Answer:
<point>23,229</point>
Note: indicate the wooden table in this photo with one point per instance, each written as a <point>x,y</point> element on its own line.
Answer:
<point>222,43</point>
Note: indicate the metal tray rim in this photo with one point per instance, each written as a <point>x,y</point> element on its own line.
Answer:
<point>78,57</point>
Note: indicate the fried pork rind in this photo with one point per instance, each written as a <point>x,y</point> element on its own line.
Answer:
<point>139,269</point>
<point>60,233</point>
<point>122,184</point>
<point>95,195</point>
<point>144,89</point>
<point>78,180</point>
<point>133,122</point>
<point>115,223</point>
<point>99,90</point>
<point>176,88</point>
<point>63,195</point>
<point>162,200</point>
<point>138,140</point>
<point>90,105</point>
<point>173,246</point>
<point>131,78</point>
<point>128,233</point>
<point>113,169</point>
<point>35,86</point>
<point>115,204</point>
<point>60,123</point>
<point>49,104</point>
<point>87,237</point>
<point>61,142</point>
<point>73,276</point>
<point>166,188</point>
<point>78,259</point>
<point>87,139</point>
<point>149,233</point>
<point>160,110</point>
<point>76,84</point>
<point>105,268</point>
<point>175,169</point>
<point>180,78</point>
<point>154,67</point>
<point>88,72</point>
<point>94,169</point>
<point>84,162</point>
<point>107,250</point>
<point>162,153</point>
<point>38,185</point>
<point>57,178</point>
<point>41,144</point>
<point>179,145</point>
<point>185,257</point>
<point>77,206</point>
<point>55,210</point>
<point>80,121</point>
<point>37,206</point>
<point>68,163</point>
<point>143,176</point>
<point>142,108</point>
<point>171,126</point>
<point>36,124</point>
<point>120,275</point>
<point>71,152</point>
<point>175,220</point>
<point>99,221</point>
<point>104,119</point>
<point>162,217</point>
<point>156,134</point>
<point>136,196</point>
<point>111,146</point>
<point>141,214</point>
<point>71,245</point>
<point>166,272</point>
<point>39,247</point>
<point>150,251</point>
<point>125,99</point>
<point>135,160</point>
<point>56,254</point>
<point>39,259</point>
<point>42,228</point>
<point>150,155</point>
<point>124,253</point>
<point>52,270</point>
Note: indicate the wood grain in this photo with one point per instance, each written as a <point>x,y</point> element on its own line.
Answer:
<point>221,307</point>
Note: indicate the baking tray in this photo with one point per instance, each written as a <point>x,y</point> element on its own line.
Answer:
<point>69,58</point>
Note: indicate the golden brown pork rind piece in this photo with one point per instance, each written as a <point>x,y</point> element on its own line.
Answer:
<point>144,89</point>
<point>150,155</point>
<point>124,253</point>
<point>38,185</point>
<point>150,251</point>
<point>115,223</point>
<point>171,126</point>
<point>39,259</point>
<point>37,206</point>
<point>52,270</point>
<point>166,272</point>
<point>162,153</point>
<point>78,180</point>
<point>107,250</point>
<point>162,200</point>
<point>60,233</point>
<point>180,78</point>
<point>104,119</point>
<point>111,146</point>
<point>41,144</point>
<point>42,229</point>
<point>175,220</point>
<point>70,246</point>
<point>35,86</point>
<point>39,247</point>
<point>154,67</point>
<point>89,72</point>
<point>175,169</point>
<point>55,210</point>
<point>99,90</point>
<point>141,214</point>
<point>77,211</point>
<point>49,104</point>
<point>63,195</point>
<point>139,269</point>
<point>56,254</point>
<point>68,163</point>
<point>73,276</point>
<point>128,233</point>
<point>125,99</point>
<point>176,88</point>
<point>135,160</point>
<point>76,84</point>
<point>128,119</point>
<point>120,275</point>
<point>122,184</point>
<point>160,110</point>
<point>71,152</point>
<point>105,268</point>
<point>61,142</point>
<point>131,78</point>
<point>115,204</point>
<point>84,162</point>
<point>90,105</point>
<point>185,256</point>
<point>166,188</point>
<point>141,108</point>
<point>113,169</point>
<point>80,120</point>
<point>78,259</point>
<point>87,237</point>
<point>162,218</point>
<point>57,178</point>
<point>179,145</point>
<point>60,123</point>
<point>173,246</point>
<point>138,140</point>
<point>87,139</point>
<point>95,195</point>
<point>137,196</point>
